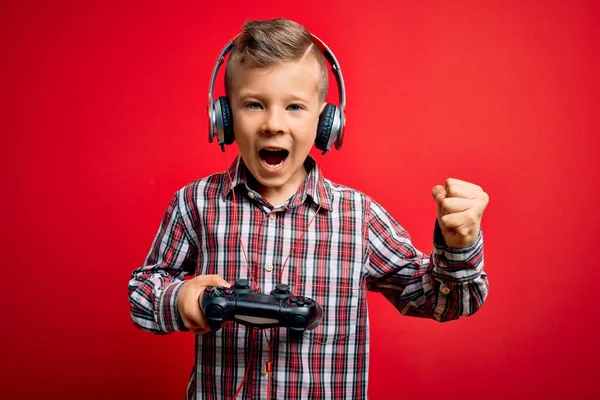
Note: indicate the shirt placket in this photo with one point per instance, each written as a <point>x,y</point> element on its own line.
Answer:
<point>266,275</point>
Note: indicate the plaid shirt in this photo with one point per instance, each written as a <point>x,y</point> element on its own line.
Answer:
<point>352,246</point>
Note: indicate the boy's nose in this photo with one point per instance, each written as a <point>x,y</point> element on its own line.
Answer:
<point>274,122</point>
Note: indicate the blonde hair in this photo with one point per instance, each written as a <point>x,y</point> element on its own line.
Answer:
<point>267,43</point>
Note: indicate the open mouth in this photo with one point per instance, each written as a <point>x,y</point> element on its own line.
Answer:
<point>274,157</point>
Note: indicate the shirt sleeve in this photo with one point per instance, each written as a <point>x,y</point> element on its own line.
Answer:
<point>448,284</point>
<point>154,287</point>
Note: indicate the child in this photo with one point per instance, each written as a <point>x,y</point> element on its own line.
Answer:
<point>273,218</point>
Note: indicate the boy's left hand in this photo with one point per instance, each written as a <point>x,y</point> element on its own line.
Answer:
<point>460,208</point>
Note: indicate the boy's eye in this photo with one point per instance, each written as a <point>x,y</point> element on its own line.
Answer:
<point>253,105</point>
<point>295,107</point>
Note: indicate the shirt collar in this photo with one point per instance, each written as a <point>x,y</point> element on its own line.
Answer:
<point>313,186</point>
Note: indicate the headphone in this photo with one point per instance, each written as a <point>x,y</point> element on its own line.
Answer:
<point>331,121</point>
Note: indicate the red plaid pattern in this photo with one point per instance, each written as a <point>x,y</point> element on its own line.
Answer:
<point>352,246</point>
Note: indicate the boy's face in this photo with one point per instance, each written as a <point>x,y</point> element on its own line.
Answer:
<point>275,115</point>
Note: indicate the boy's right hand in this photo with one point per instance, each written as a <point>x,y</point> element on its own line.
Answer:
<point>187,302</point>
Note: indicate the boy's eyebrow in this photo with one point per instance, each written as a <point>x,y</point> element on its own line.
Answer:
<point>250,94</point>
<point>290,96</point>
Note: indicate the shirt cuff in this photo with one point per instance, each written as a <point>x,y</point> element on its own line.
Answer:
<point>168,317</point>
<point>457,264</point>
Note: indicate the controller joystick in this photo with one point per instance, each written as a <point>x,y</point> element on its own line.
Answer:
<point>241,285</point>
<point>281,291</point>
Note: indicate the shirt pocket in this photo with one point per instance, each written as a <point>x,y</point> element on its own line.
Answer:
<point>340,312</point>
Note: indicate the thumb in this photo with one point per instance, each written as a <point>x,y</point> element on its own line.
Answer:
<point>212,280</point>
<point>439,193</point>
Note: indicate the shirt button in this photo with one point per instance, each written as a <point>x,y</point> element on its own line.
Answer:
<point>263,371</point>
<point>272,216</point>
<point>251,195</point>
<point>269,267</point>
<point>445,290</point>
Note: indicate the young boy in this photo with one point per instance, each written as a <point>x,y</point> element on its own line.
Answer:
<point>275,219</point>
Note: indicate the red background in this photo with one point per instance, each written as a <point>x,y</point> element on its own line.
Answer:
<point>104,117</point>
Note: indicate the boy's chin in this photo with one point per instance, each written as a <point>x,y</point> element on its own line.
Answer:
<point>272,182</point>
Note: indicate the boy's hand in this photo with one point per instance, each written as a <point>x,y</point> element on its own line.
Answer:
<point>187,302</point>
<point>460,208</point>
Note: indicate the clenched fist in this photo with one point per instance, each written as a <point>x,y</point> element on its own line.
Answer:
<point>460,208</point>
<point>187,302</point>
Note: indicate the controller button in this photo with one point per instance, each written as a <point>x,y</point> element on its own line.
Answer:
<point>221,288</point>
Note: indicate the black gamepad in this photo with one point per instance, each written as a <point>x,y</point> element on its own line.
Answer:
<point>258,310</point>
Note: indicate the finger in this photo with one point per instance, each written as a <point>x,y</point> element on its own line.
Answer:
<point>455,190</point>
<point>459,188</point>
<point>458,220</point>
<point>199,317</point>
<point>212,280</point>
<point>439,193</point>
<point>200,331</point>
<point>451,205</point>
<point>460,182</point>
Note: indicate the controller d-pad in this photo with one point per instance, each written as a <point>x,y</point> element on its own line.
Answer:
<point>214,310</point>
<point>298,321</point>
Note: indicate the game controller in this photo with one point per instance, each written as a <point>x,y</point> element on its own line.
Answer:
<point>258,310</point>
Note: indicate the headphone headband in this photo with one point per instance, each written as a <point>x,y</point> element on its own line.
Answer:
<point>329,56</point>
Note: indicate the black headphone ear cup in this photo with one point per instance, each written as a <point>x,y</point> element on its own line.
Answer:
<point>325,126</point>
<point>227,120</point>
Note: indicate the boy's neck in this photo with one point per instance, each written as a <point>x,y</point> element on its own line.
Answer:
<point>278,195</point>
